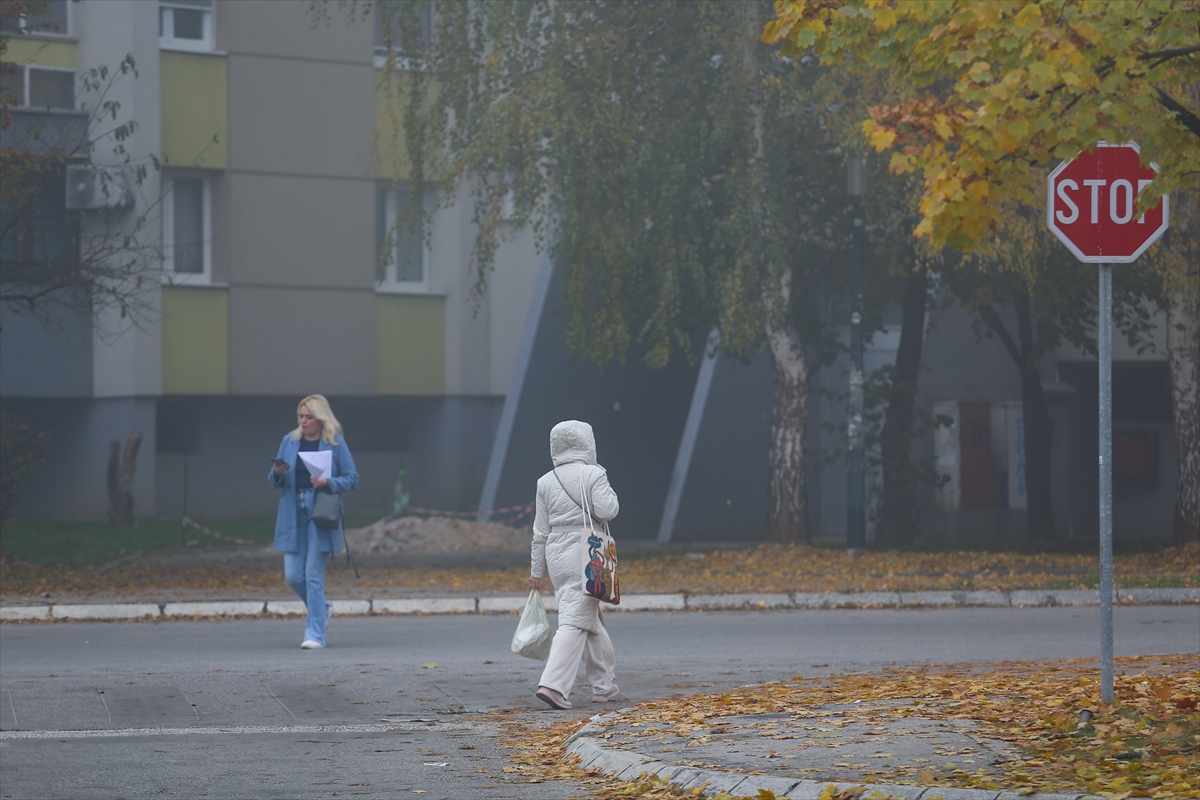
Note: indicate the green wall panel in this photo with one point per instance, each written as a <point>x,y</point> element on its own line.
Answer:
<point>411,344</point>
<point>195,332</point>
<point>40,52</point>
<point>193,109</point>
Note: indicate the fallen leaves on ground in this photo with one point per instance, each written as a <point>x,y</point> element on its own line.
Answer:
<point>783,568</point>
<point>1145,743</point>
<point>765,568</point>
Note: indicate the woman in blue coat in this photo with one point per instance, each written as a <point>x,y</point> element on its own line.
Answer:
<point>305,547</point>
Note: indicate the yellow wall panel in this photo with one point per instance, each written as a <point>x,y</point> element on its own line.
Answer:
<point>39,51</point>
<point>193,109</point>
<point>195,340</point>
<point>411,344</point>
<point>391,149</point>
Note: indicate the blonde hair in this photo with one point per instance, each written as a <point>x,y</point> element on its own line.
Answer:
<point>318,406</point>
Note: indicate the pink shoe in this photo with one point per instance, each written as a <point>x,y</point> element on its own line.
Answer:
<point>597,697</point>
<point>552,698</point>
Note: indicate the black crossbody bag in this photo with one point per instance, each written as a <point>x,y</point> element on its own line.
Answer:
<point>327,515</point>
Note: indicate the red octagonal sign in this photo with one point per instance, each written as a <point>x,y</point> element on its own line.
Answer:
<point>1091,205</point>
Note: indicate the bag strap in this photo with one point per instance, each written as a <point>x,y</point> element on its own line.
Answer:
<point>349,558</point>
<point>573,500</point>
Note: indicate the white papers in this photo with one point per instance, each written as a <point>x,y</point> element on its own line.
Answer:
<point>319,462</point>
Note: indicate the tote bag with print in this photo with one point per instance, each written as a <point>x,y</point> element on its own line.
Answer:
<point>599,552</point>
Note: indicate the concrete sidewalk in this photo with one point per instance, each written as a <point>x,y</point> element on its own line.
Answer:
<point>639,602</point>
<point>923,740</point>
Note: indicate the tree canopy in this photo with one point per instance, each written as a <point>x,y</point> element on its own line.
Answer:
<point>674,166</point>
<point>998,87</point>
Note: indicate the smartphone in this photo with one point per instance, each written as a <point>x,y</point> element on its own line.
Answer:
<point>277,460</point>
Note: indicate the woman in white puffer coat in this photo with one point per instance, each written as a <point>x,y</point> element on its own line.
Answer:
<point>558,549</point>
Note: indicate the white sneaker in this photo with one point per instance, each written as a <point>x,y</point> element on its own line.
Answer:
<point>309,644</point>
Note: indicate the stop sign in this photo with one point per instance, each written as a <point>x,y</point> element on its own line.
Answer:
<point>1091,205</point>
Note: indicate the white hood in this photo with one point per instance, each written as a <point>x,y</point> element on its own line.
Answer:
<point>572,441</point>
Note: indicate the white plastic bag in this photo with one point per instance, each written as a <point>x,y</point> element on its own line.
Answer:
<point>532,638</point>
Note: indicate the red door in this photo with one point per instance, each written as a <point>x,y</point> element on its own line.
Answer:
<point>975,455</point>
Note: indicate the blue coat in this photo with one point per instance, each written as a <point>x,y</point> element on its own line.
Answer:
<point>343,478</point>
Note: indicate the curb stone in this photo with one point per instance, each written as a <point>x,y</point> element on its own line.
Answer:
<point>624,765</point>
<point>844,600</point>
<point>500,605</point>
<point>351,607</point>
<point>24,612</point>
<point>225,609</point>
<point>107,611</point>
<point>1018,598</point>
<point>740,601</point>
<point>651,602</point>
<point>286,607</point>
<point>444,605</point>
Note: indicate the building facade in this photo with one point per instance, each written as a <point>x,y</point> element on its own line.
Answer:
<point>279,273</point>
<point>267,209</point>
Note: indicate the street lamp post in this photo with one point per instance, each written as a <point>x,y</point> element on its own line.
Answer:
<point>856,537</point>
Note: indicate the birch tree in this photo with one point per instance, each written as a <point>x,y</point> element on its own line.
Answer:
<point>666,159</point>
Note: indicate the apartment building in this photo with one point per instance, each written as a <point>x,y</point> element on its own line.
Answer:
<point>268,216</point>
<point>269,209</point>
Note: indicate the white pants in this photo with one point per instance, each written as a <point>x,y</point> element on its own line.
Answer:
<point>569,645</point>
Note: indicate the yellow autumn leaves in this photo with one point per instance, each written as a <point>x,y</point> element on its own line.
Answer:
<point>988,90</point>
<point>1146,743</point>
<point>761,569</point>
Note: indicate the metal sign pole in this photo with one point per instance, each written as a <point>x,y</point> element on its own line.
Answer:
<point>1106,572</point>
<point>856,534</point>
<point>1115,174</point>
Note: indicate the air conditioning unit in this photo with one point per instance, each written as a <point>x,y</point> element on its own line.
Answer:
<point>91,187</point>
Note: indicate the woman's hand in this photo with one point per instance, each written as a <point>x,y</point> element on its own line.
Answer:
<point>535,583</point>
<point>320,483</point>
<point>281,467</point>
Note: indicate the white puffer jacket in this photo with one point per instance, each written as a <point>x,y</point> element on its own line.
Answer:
<point>558,544</point>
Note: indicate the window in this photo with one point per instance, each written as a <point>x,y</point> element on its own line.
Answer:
<point>37,234</point>
<point>52,21</point>
<point>399,239</point>
<point>187,229</point>
<point>185,24</point>
<point>397,22</point>
<point>39,87</point>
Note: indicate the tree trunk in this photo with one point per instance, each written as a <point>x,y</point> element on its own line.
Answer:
<point>898,517</point>
<point>1035,410</point>
<point>1183,357</point>
<point>788,521</point>
<point>121,470</point>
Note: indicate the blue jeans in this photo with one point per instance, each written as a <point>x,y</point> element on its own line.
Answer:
<point>305,569</point>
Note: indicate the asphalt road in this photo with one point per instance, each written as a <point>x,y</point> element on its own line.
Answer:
<point>401,706</point>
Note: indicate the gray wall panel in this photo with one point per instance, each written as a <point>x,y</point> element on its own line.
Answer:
<point>441,442</point>
<point>41,361</point>
<point>72,481</point>
<point>726,493</point>
<point>451,441</point>
<point>297,341</point>
<point>285,27</point>
<point>637,414</point>
<point>957,367</point>
<point>227,470</point>
<point>222,226</point>
<point>301,116</point>
<point>292,231</point>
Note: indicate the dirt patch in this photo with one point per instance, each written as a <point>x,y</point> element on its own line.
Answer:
<point>439,535</point>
